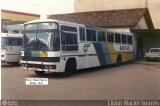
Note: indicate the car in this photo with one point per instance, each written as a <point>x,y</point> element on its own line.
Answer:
<point>153,54</point>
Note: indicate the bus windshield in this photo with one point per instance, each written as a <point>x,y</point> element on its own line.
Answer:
<point>41,37</point>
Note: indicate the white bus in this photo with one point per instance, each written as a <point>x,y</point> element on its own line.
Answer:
<point>11,46</point>
<point>63,47</point>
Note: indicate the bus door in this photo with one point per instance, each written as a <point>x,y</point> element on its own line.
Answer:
<point>69,43</point>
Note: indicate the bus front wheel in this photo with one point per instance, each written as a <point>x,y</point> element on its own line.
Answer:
<point>70,67</point>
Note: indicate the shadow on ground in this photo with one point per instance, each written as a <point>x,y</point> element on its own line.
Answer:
<point>78,72</point>
<point>4,65</point>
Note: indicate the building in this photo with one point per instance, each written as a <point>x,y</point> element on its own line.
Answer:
<point>100,5</point>
<point>120,15</point>
<point>12,21</point>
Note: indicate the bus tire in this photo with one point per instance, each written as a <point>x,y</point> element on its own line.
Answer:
<point>40,72</point>
<point>119,61</point>
<point>70,67</point>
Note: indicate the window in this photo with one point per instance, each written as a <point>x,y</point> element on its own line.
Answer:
<point>50,25</point>
<point>14,42</point>
<point>69,38</point>
<point>19,41</point>
<point>69,41</point>
<point>31,27</point>
<point>16,31</point>
<point>41,26</point>
<point>117,38</point>
<point>110,37</point>
<point>124,41</point>
<point>129,39</point>
<point>101,36</point>
<point>68,28</point>
<point>154,50</point>
<point>91,35</point>
<point>82,34</point>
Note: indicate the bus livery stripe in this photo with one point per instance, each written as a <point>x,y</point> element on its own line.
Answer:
<point>101,50</point>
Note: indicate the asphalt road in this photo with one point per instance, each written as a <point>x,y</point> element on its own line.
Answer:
<point>137,80</point>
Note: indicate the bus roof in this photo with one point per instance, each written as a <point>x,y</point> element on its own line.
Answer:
<point>59,21</point>
<point>71,23</point>
<point>11,35</point>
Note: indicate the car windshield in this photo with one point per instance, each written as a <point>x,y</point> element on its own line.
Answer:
<point>155,50</point>
<point>41,37</point>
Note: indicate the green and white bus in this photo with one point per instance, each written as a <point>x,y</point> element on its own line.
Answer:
<point>63,47</point>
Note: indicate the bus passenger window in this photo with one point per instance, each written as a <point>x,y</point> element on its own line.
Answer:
<point>117,38</point>
<point>69,42</point>
<point>82,34</point>
<point>93,35</point>
<point>101,36</point>
<point>124,41</point>
<point>89,35</point>
<point>129,39</point>
<point>68,28</point>
<point>110,37</point>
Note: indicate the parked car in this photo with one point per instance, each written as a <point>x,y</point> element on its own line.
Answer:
<point>153,54</point>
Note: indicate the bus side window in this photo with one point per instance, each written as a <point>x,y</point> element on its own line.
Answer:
<point>101,36</point>
<point>124,40</point>
<point>93,35</point>
<point>129,39</point>
<point>69,38</point>
<point>68,28</point>
<point>110,37</point>
<point>82,34</point>
<point>117,38</point>
<point>89,34</point>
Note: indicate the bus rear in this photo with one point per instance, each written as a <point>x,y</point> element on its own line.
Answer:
<point>41,47</point>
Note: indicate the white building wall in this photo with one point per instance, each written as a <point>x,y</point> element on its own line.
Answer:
<point>142,24</point>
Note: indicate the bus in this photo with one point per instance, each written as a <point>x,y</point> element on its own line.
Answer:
<point>11,46</point>
<point>63,47</point>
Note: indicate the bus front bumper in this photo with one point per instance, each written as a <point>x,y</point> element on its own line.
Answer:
<point>40,66</point>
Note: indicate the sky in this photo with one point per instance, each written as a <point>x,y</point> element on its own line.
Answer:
<point>41,7</point>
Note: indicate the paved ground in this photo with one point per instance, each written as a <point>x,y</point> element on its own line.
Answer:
<point>137,80</point>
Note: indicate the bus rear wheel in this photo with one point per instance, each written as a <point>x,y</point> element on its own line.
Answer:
<point>40,72</point>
